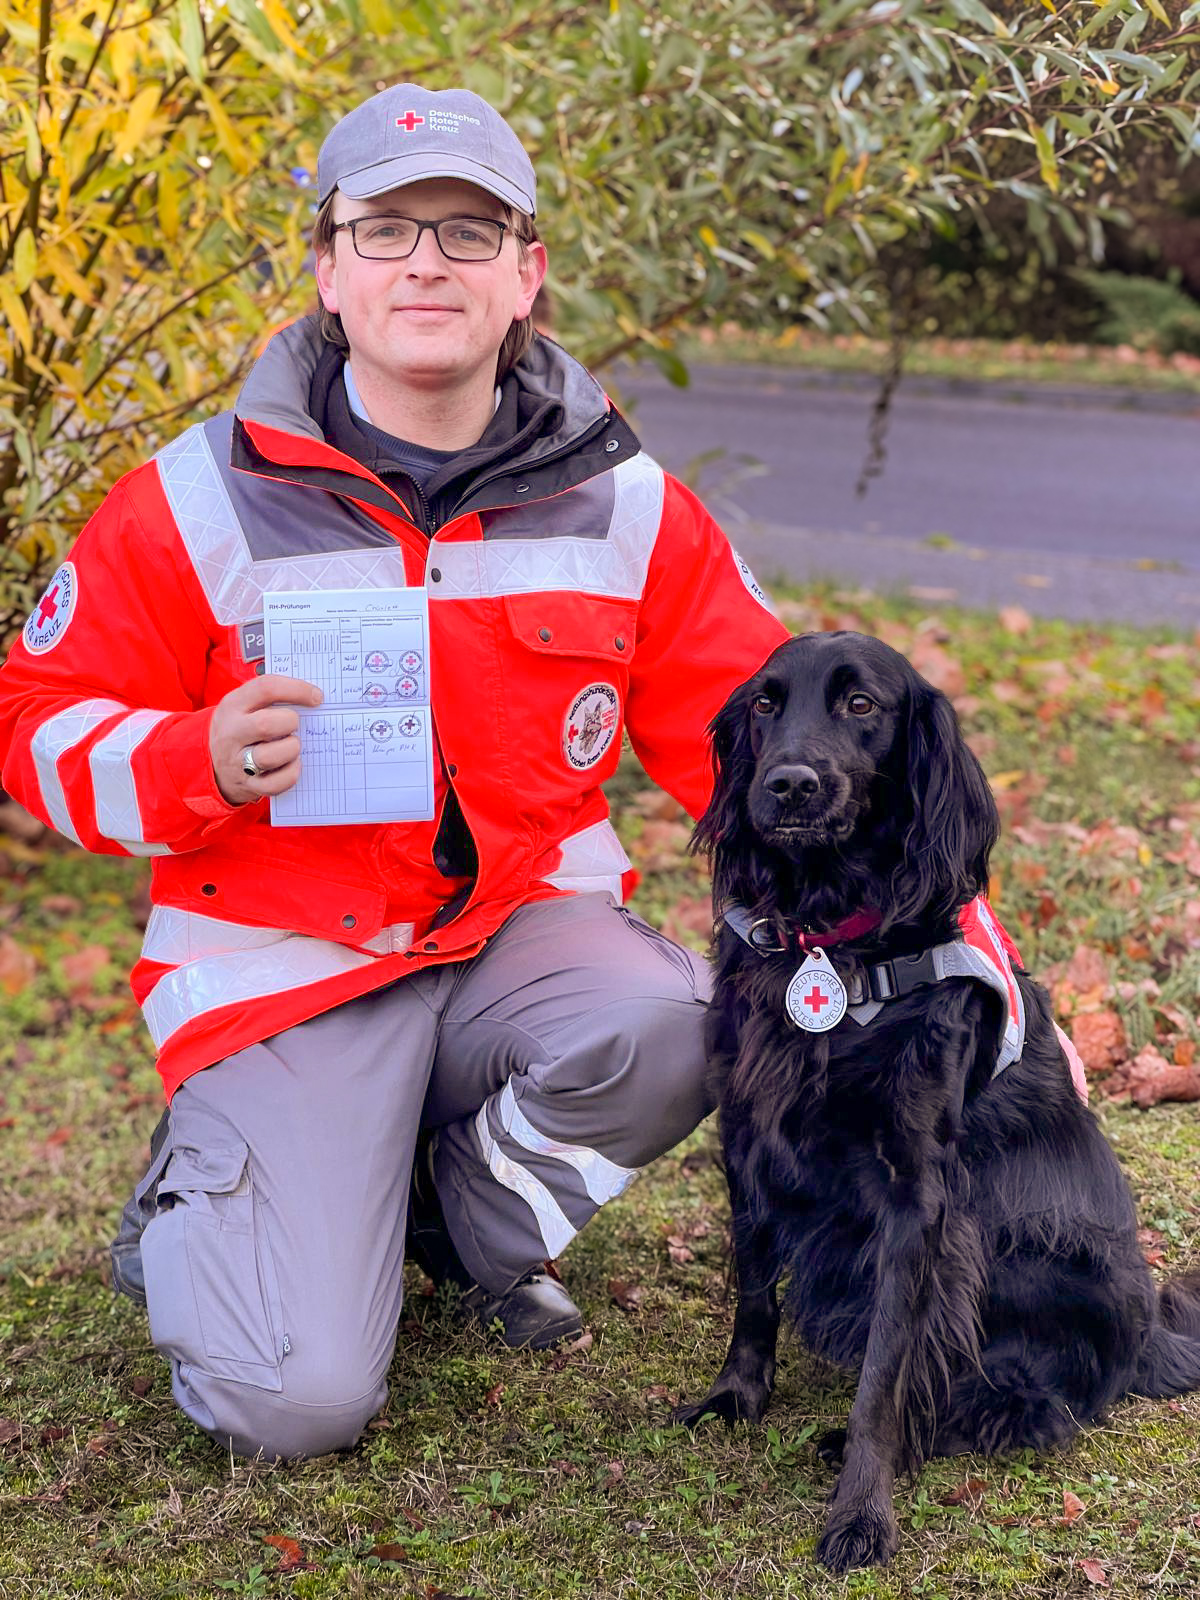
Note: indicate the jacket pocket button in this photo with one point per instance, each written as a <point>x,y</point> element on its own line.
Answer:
<point>208,888</point>
<point>435,575</point>
<point>619,642</point>
<point>349,920</point>
<point>521,488</point>
<point>452,769</point>
<point>613,444</point>
<point>545,635</point>
<point>429,945</point>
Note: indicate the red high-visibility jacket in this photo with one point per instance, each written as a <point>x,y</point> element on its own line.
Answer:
<point>573,573</point>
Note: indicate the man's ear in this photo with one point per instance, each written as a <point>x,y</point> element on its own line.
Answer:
<point>326,284</point>
<point>531,269</point>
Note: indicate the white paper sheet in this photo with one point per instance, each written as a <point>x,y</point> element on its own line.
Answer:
<point>366,753</point>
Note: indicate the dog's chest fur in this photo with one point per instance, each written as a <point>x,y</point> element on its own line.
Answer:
<point>823,1129</point>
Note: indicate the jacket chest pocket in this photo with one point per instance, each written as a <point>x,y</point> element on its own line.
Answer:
<point>570,624</point>
<point>576,648</point>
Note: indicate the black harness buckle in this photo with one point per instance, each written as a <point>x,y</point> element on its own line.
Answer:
<point>888,980</point>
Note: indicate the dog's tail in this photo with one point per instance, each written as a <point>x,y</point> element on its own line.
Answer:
<point>1170,1363</point>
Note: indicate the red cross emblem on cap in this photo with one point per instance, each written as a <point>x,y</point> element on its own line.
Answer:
<point>409,121</point>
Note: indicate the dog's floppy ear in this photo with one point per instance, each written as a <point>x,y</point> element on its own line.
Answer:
<point>724,819</point>
<point>724,832</point>
<point>954,822</point>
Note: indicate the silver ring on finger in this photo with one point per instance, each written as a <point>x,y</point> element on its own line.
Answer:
<point>249,766</point>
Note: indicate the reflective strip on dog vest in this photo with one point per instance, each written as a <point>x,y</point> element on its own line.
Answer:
<point>981,953</point>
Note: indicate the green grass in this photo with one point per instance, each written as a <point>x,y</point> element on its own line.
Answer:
<point>965,360</point>
<point>540,1477</point>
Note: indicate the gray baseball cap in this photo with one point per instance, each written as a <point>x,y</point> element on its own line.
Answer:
<point>407,133</point>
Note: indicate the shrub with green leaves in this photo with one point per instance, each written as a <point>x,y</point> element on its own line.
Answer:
<point>698,159</point>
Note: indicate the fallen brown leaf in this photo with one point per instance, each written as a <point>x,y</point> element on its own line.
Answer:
<point>941,668</point>
<point>9,1431</point>
<point>1099,1036</point>
<point>494,1396</point>
<point>292,1556</point>
<point>1150,1078</point>
<point>81,969</point>
<point>1015,619</point>
<point>62,905</point>
<point>389,1552</point>
<point>969,1493</point>
<point>142,1385</point>
<point>1073,1507</point>
<point>1094,1572</point>
<point>628,1296</point>
<point>17,966</point>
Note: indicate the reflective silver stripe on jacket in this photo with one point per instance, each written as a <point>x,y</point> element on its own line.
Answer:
<point>117,816</point>
<point>615,565</point>
<point>233,582</point>
<point>111,762</point>
<point>592,859</point>
<point>174,936</point>
<point>220,963</point>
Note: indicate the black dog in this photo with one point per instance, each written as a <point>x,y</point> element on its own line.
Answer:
<point>962,1238</point>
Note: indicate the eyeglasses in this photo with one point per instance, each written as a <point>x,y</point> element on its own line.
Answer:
<point>384,238</point>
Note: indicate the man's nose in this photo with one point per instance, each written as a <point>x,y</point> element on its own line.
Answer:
<point>427,258</point>
<point>789,781</point>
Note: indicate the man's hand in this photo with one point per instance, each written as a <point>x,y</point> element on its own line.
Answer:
<point>249,718</point>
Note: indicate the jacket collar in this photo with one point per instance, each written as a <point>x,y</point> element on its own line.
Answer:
<point>548,403</point>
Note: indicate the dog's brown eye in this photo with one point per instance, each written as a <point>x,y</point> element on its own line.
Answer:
<point>860,705</point>
<point>762,705</point>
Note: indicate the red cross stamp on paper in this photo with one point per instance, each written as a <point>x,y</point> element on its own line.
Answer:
<point>409,121</point>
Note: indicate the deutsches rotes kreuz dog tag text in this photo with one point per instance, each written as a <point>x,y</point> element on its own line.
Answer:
<point>816,997</point>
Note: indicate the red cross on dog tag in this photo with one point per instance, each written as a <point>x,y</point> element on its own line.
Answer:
<point>816,997</point>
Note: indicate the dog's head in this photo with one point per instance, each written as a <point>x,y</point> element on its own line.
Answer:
<point>839,757</point>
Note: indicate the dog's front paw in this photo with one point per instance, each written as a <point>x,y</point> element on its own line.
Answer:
<point>861,1535</point>
<point>729,1404</point>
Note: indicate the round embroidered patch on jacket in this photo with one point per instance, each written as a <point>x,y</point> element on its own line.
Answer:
<point>49,618</point>
<point>591,725</point>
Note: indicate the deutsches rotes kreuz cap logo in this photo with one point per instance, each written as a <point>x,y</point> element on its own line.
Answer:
<point>51,617</point>
<point>591,725</point>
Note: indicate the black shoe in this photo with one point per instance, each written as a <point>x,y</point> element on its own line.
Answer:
<point>125,1252</point>
<point>533,1314</point>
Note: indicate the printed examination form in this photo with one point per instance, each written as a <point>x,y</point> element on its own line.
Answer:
<point>366,753</point>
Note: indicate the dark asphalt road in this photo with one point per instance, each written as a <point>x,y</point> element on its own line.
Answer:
<point>1074,503</point>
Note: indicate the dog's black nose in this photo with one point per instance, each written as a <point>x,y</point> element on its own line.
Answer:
<point>791,783</point>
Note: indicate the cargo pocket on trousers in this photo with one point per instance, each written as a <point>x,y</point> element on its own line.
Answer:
<point>674,955</point>
<point>211,1287</point>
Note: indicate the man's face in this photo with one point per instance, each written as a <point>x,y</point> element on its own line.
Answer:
<point>427,322</point>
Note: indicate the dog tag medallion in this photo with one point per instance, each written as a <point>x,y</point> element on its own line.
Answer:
<point>816,997</point>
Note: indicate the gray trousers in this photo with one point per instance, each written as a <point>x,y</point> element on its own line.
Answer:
<point>561,1059</point>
